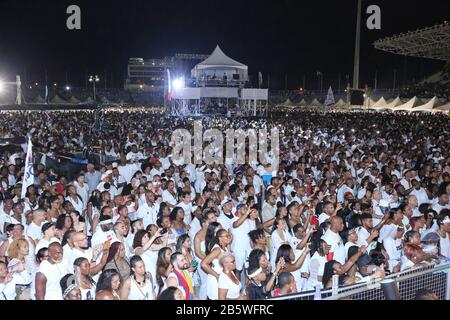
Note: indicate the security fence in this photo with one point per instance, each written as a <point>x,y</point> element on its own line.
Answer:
<point>435,278</point>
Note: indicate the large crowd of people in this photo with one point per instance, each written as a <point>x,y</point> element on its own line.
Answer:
<point>357,195</point>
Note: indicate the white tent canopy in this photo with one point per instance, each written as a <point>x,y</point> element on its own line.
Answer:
<point>427,106</point>
<point>445,107</point>
<point>341,103</point>
<point>380,103</point>
<point>408,106</point>
<point>392,104</point>
<point>57,100</point>
<point>316,103</point>
<point>303,103</point>
<point>218,63</point>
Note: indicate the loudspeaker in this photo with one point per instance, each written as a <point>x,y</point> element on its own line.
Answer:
<point>356,97</point>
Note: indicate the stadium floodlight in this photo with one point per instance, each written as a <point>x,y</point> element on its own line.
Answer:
<point>67,88</point>
<point>94,78</point>
<point>178,83</point>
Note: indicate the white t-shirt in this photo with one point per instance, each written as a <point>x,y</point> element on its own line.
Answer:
<point>53,273</point>
<point>169,198</point>
<point>445,246</point>
<point>394,248</point>
<point>337,245</point>
<point>226,283</point>
<point>8,291</point>
<point>225,221</point>
<point>34,231</point>
<point>187,211</point>
<point>45,243</point>
<point>148,214</point>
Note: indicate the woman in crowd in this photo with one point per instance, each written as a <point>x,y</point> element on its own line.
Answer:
<point>17,252</point>
<point>172,293</point>
<point>210,264</point>
<point>87,284</point>
<point>228,284</point>
<point>78,222</point>
<point>41,255</point>
<point>333,267</point>
<point>64,222</point>
<point>139,286</point>
<point>117,260</point>
<point>279,237</point>
<point>177,220</point>
<point>7,283</point>
<point>70,290</point>
<point>144,245</point>
<point>108,285</point>
<point>163,268</point>
<point>317,265</point>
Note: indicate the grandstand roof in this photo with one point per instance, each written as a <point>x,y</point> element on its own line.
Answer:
<point>432,42</point>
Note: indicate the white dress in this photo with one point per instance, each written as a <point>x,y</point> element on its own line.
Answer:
<point>138,293</point>
<point>275,244</point>
<point>234,289</point>
<point>212,289</point>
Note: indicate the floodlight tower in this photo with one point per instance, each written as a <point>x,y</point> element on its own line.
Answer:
<point>357,47</point>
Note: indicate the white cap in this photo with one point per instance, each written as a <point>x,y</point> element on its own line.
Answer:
<point>107,173</point>
<point>417,213</point>
<point>115,164</point>
<point>224,201</point>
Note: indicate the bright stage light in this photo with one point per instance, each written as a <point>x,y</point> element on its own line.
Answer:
<point>67,88</point>
<point>178,83</point>
<point>1,86</point>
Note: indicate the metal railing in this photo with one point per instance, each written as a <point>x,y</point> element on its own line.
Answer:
<point>435,278</point>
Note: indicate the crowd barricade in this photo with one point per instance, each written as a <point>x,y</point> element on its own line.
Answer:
<point>435,278</point>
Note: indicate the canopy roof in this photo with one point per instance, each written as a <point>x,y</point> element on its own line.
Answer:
<point>315,103</point>
<point>57,99</point>
<point>220,59</point>
<point>393,104</point>
<point>72,99</point>
<point>428,106</point>
<point>408,106</point>
<point>303,103</point>
<point>380,103</point>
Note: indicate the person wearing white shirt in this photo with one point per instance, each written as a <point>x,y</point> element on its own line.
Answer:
<point>298,243</point>
<point>169,194</point>
<point>242,224</point>
<point>443,203</point>
<point>333,238</point>
<point>226,216</point>
<point>394,247</point>
<point>328,212</point>
<point>420,193</point>
<point>317,265</point>
<point>443,222</point>
<point>278,238</point>
<point>82,189</point>
<point>186,204</point>
<point>347,187</point>
<point>50,273</point>
<point>352,240</point>
<point>104,233</point>
<point>49,232</point>
<point>148,211</point>
<point>34,229</point>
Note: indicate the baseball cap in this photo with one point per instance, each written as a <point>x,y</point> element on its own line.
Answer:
<point>225,201</point>
<point>46,226</point>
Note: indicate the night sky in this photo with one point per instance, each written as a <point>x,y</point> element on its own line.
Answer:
<point>278,37</point>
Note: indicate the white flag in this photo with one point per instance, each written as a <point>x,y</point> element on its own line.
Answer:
<point>28,177</point>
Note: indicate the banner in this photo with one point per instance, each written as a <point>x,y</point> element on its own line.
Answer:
<point>28,177</point>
